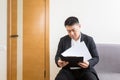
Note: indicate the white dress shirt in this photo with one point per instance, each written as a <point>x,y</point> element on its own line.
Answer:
<point>73,43</point>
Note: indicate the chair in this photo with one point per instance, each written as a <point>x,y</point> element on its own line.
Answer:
<point>108,67</point>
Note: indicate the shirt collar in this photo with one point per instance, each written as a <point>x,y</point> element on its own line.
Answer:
<point>73,42</point>
<point>79,39</point>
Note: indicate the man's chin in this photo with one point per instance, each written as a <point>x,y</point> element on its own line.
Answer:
<point>73,38</point>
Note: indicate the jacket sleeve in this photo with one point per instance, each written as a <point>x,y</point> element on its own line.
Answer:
<point>59,51</point>
<point>94,54</point>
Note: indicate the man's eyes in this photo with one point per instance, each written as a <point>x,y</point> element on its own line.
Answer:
<point>71,30</point>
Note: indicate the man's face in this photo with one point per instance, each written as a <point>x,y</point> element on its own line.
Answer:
<point>74,31</point>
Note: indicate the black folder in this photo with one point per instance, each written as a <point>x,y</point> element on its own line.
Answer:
<point>73,60</point>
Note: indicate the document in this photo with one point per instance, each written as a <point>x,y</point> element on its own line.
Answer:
<point>78,50</point>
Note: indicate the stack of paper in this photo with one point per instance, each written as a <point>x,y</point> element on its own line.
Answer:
<point>78,50</point>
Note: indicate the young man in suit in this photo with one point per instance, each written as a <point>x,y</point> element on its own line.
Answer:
<point>85,70</point>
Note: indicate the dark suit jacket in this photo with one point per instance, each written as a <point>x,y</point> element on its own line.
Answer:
<point>65,43</point>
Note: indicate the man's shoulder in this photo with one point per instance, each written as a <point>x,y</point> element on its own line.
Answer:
<point>66,37</point>
<point>85,36</point>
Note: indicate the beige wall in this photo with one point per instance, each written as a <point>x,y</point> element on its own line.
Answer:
<point>3,38</point>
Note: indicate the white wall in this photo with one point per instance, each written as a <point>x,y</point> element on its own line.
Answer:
<point>99,18</point>
<point>20,39</point>
<point>3,38</point>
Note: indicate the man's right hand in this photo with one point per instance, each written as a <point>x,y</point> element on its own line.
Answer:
<point>62,63</point>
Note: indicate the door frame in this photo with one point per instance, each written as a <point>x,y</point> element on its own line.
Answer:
<point>47,53</point>
<point>10,58</point>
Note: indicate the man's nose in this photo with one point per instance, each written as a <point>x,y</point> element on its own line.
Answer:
<point>72,33</point>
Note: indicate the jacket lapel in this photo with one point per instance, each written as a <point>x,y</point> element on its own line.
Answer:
<point>68,43</point>
<point>82,37</point>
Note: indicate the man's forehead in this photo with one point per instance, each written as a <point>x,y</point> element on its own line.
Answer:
<point>72,27</point>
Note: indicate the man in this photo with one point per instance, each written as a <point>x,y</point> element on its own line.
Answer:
<point>85,70</point>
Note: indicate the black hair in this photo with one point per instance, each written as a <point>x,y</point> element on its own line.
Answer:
<point>71,21</point>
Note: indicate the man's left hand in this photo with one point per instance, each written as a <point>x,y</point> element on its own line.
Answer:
<point>84,64</point>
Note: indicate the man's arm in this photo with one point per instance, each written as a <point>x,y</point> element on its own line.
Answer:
<point>94,54</point>
<point>93,51</point>
<point>59,51</point>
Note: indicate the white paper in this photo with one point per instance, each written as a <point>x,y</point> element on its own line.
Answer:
<point>78,50</point>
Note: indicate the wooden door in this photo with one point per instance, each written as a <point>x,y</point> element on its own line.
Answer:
<point>35,40</point>
<point>34,31</point>
<point>12,40</point>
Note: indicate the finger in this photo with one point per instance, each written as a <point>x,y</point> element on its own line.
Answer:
<point>65,63</point>
<point>83,66</point>
<point>86,62</point>
<point>60,64</point>
<point>81,63</point>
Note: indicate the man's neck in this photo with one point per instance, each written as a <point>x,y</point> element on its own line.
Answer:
<point>77,38</point>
